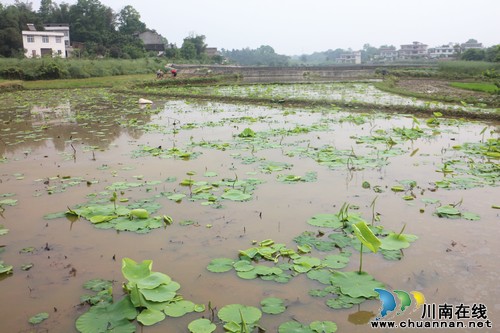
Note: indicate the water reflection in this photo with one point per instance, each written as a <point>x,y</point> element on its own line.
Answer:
<point>60,125</point>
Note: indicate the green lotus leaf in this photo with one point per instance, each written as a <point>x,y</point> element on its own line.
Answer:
<point>5,269</point>
<point>394,242</point>
<point>8,202</point>
<point>398,188</point>
<point>201,325</point>
<point>114,317</point>
<point>3,230</point>
<point>356,284</point>
<point>179,309</point>
<point>323,326</point>
<point>322,275</point>
<point>177,197</point>
<point>98,284</point>
<point>471,216</point>
<point>247,133</point>
<point>326,221</point>
<point>248,275</point>
<point>220,265</point>
<point>158,294</point>
<point>273,305</point>
<point>294,327</point>
<point>150,317</point>
<point>366,236</point>
<point>102,218</point>
<point>135,272</point>
<point>38,318</point>
<point>335,261</point>
<point>344,302</point>
<point>236,195</point>
<point>238,312</point>
<point>243,266</point>
<point>154,280</point>
<point>307,261</point>
<point>448,211</point>
<point>264,270</point>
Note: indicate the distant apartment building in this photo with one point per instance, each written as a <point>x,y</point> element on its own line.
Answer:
<point>211,51</point>
<point>349,58</point>
<point>471,44</point>
<point>388,54</point>
<point>43,43</point>
<point>416,50</point>
<point>442,52</point>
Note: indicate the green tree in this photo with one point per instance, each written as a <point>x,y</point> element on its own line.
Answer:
<point>188,50</point>
<point>129,21</point>
<point>198,42</point>
<point>473,55</point>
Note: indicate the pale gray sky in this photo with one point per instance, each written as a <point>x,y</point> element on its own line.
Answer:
<point>295,27</point>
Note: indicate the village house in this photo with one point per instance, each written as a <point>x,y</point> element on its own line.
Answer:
<point>349,58</point>
<point>43,43</point>
<point>416,50</point>
<point>471,44</point>
<point>152,41</point>
<point>442,52</point>
<point>388,54</point>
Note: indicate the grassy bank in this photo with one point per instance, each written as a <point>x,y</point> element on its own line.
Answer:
<point>477,86</point>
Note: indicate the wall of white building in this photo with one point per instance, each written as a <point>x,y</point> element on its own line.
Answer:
<point>38,43</point>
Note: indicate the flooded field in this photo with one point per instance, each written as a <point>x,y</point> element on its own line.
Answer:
<point>240,204</point>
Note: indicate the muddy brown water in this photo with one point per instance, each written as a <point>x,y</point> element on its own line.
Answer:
<point>453,261</point>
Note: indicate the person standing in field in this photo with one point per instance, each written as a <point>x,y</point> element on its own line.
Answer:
<point>170,68</point>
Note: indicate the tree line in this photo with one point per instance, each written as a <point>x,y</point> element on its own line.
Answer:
<point>102,31</point>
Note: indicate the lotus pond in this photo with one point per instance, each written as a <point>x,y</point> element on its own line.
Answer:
<point>190,216</point>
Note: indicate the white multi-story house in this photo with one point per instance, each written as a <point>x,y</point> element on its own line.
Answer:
<point>443,51</point>
<point>415,50</point>
<point>349,58</point>
<point>43,43</point>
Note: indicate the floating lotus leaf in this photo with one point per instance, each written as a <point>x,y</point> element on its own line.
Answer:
<point>344,302</point>
<point>273,305</point>
<point>326,220</point>
<point>154,280</point>
<point>150,317</point>
<point>335,261</point>
<point>135,272</point>
<point>236,195</point>
<point>247,133</point>
<point>238,312</point>
<point>356,284</point>
<point>220,265</point>
<point>294,327</point>
<point>3,230</point>
<point>304,264</point>
<point>159,294</point>
<point>38,318</point>
<point>448,211</point>
<point>243,266</point>
<point>248,275</point>
<point>102,218</point>
<point>5,269</point>
<point>179,309</point>
<point>8,202</point>
<point>98,284</point>
<point>114,317</point>
<point>323,326</point>
<point>210,174</point>
<point>201,325</point>
<point>471,216</point>
<point>322,275</point>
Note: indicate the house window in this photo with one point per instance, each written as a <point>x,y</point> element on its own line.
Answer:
<point>45,39</point>
<point>31,38</point>
<point>58,39</point>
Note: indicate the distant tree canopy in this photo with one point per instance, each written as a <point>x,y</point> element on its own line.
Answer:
<point>491,54</point>
<point>263,56</point>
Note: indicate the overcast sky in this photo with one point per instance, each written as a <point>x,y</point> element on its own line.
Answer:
<point>294,27</point>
